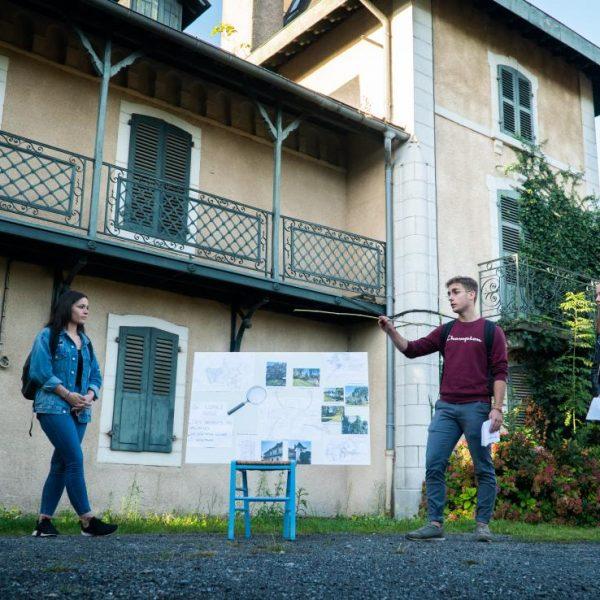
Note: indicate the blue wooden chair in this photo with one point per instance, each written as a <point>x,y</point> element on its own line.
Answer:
<point>289,513</point>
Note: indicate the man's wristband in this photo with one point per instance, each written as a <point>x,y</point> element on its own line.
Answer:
<point>497,407</point>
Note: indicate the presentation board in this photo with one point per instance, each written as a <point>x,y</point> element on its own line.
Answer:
<point>309,406</point>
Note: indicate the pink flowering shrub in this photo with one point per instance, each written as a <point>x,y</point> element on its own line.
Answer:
<point>534,483</point>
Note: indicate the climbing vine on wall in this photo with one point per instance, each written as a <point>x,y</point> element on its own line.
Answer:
<point>561,228</point>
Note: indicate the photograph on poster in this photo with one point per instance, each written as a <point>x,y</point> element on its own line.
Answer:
<point>273,451</point>
<point>357,395</point>
<point>332,413</point>
<point>300,451</point>
<point>307,377</point>
<point>355,421</point>
<point>335,394</point>
<point>276,374</point>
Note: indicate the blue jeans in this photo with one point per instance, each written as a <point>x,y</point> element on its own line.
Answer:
<point>449,422</point>
<point>65,433</point>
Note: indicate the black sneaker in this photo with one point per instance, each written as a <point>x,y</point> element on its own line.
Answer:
<point>45,528</point>
<point>96,527</point>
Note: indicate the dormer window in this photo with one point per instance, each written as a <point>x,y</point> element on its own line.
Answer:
<point>168,12</point>
<point>296,7</point>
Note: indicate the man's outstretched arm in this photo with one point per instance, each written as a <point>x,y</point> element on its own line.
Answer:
<point>426,345</point>
<point>387,325</point>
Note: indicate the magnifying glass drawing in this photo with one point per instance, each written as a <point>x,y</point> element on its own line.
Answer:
<point>255,395</point>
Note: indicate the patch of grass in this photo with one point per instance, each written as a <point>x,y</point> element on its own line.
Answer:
<point>14,522</point>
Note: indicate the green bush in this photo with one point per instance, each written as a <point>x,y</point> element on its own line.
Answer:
<point>535,484</point>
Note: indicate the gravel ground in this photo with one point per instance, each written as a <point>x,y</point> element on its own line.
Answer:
<point>315,566</point>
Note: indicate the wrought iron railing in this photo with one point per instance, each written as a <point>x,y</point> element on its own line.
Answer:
<point>41,181</point>
<point>51,187</point>
<point>164,215</point>
<point>515,287</point>
<point>326,256</point>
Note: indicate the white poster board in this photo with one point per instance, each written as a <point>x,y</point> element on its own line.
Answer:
<point>315,409</point>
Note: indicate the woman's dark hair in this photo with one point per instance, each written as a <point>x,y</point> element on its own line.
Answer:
<point>61,313</point>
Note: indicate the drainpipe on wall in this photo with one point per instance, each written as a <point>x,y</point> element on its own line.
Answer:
<point>389,310</point>
<point>387,50</point>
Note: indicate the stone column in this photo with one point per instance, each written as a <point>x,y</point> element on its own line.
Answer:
<point>415,239</point>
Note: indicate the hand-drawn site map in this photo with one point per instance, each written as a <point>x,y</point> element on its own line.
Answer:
<point>312,407</point>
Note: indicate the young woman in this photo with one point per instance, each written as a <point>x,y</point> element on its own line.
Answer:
<point>64,365</point>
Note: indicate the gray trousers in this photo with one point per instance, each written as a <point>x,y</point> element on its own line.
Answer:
<point>449,422</point>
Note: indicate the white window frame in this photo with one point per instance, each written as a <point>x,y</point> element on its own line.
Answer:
<point>3,78</point>
<point>127,110</point>
<point>495,61</point>
<point>160,459</point>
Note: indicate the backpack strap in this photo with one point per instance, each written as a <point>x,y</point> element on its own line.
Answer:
<point>489,332</point>
<point>444,335</point>
<point>446,328</point>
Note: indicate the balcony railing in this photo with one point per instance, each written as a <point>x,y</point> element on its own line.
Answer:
<point>51,187</point>
<point>515,287</point>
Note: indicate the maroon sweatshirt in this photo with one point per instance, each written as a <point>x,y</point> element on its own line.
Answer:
<point>465,363</point>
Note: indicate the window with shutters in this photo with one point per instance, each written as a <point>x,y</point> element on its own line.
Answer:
<point>516,104</point>
<point>144,390</point>
<point>159,170</point>
<point>168,12</point>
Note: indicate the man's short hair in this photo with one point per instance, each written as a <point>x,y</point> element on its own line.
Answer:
<point>467,282</point>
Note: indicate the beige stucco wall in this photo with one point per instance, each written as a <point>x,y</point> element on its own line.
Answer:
<point>347,65</point>
<point>24,461</point>
<point>61,110</point>
<point>468,154</point>
<point>463,35</point>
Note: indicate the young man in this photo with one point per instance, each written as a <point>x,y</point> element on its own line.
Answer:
<point>464,403</point>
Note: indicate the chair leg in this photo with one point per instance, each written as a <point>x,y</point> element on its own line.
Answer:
<point>286,513</point>
<point>246,503</point>
<point>231,524</point>
<point>292,496</point>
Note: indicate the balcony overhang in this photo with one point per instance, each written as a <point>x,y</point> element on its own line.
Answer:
<point>104,18</point>
<point>29,243</point>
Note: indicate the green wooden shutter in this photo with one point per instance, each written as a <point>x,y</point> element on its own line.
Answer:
<point>510,226</point>
<point>143,196</point>
<point>159,165</point>
<point>506,87</point>
<point>131,389</point>
<point>145,390</point>
<point>510,240</point>
<point>519,392</point>
<point>516,104</point>
<point>160,404</point>
<point>525,108</point>
<point>175,165</point>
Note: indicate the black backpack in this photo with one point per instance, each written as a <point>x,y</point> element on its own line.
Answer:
<point>489,331</point>
<point>29,387</point>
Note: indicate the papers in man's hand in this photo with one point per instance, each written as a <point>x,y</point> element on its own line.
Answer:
<point>488,438</point>
<point>594,412</point>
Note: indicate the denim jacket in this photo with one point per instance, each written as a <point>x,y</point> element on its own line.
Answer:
<point>61,369</point>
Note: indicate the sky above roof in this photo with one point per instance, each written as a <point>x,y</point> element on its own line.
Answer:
<point>579,15</point>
